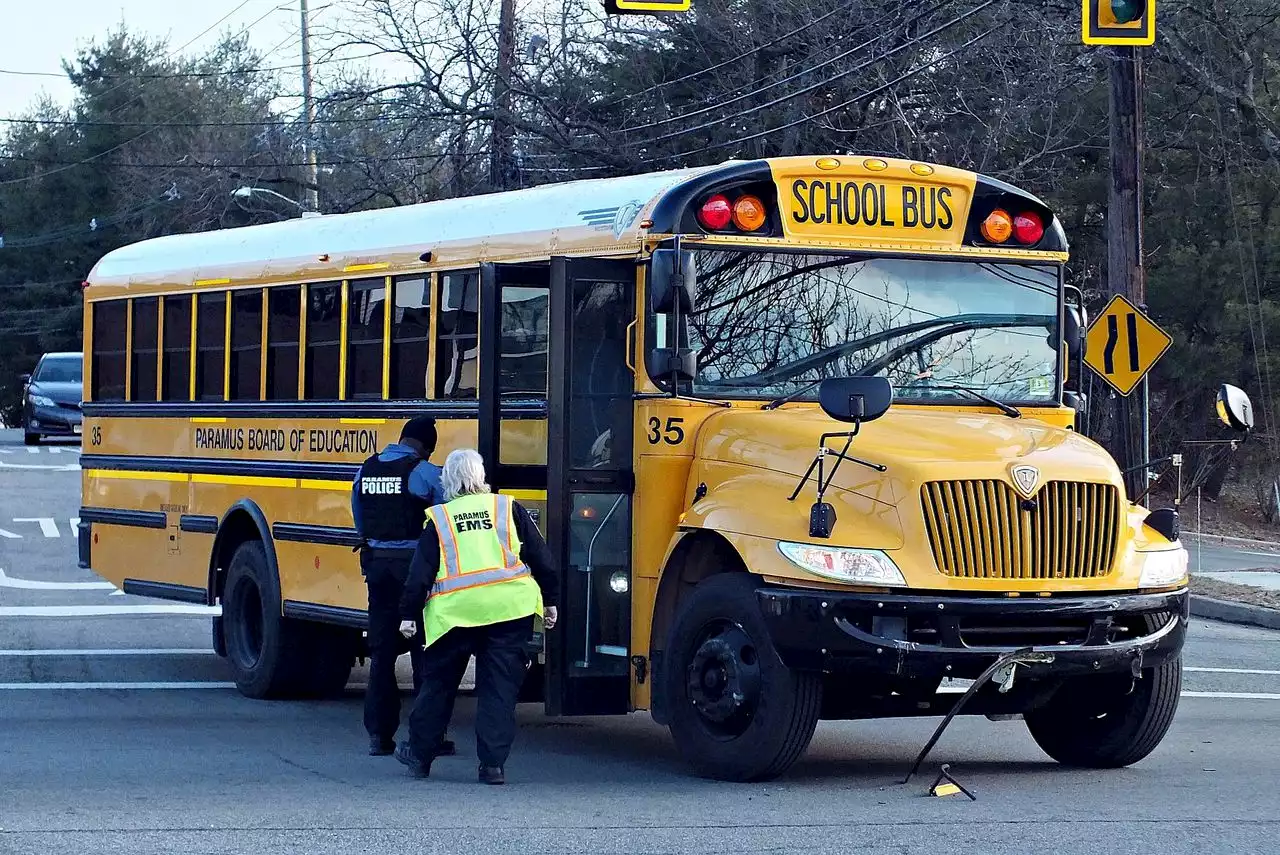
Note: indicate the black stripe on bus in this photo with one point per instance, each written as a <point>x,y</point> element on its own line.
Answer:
<point>119,516</point>
<point>326,614</point>
<point>198,524</point>
<point>330,535</point>
<point>214,466</point>
<point>444,410</point>
<point>165,591</point>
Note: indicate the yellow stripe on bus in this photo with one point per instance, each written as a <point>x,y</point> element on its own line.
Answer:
<point>208,420</point>
<point>244,480</point>
<point>317,484</point>
<point>137,475</point>
<point>530,495</point>
<point>362,421</point>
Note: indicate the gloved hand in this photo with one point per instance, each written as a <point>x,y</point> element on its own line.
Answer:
<point>549,617</point>
<point>408,628</point>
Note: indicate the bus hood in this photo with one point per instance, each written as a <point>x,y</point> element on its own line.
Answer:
<point>751,461</point>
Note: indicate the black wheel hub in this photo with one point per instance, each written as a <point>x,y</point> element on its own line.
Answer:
<point>723,679</point>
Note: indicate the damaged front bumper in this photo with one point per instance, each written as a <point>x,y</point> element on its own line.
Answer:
<point>933,636</point>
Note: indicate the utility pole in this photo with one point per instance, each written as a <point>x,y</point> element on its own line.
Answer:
<point>311,192</point>
<point>1130,438</point>
<point>500,148</point>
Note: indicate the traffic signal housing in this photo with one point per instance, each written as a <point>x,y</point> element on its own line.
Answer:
<point>1118,22</point>
<point>647,7</point>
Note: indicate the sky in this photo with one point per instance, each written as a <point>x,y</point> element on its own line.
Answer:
<point>37,36</point>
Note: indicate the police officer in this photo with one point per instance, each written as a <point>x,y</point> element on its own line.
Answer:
<point>389,500</point>
<point>482,571</point>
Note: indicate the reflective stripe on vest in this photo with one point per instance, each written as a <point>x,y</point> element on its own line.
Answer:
<point>481,578</point>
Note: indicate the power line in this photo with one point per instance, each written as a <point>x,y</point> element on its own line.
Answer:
<point>199,75</point>
<point>115,148</point>
<point>913,42</point>
<point>72,123</point>
<point>827,111</point>
<point>730,61</point>
<point>216,165</point>
<point>797,75</point>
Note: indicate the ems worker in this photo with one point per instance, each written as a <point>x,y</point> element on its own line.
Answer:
<point>389,502</point>
<point>483,571</point>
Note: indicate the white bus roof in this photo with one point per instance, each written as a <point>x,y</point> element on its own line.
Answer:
<point>600,211</point>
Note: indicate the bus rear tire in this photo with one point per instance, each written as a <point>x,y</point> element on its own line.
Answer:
<point>722,665</point>
<point>1099,723</point>
<point>265,650</point>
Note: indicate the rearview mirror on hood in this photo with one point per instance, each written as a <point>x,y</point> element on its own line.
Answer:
<point>855,399</point>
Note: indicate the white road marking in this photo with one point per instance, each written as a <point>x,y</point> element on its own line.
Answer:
<point>109,687</point>
<point>48,527</point>
<point>153,651</point>
<point>107,611</point>
<point>1263,554</point>
<point>7,581</point>
<point>75,524</point>
<point>32,450</point>
<point>1232,670</point>
<point>1243,696</point>
<point>59,467</point>
<point>9,534</point>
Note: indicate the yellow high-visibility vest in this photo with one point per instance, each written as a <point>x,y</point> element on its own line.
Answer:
<point>482,580</point>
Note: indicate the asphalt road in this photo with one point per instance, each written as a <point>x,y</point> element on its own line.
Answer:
<point>117,733</point>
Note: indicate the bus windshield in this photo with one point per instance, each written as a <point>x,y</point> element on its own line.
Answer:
<point>769,324</point>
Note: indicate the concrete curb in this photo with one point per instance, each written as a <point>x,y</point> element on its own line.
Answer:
<point>1207,607</point>
<point>1223,538</point>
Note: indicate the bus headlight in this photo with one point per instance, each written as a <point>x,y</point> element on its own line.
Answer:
<point>1163,569</point>
<point>866,566</point>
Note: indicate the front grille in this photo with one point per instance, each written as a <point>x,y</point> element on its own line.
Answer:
<point>985,530</point>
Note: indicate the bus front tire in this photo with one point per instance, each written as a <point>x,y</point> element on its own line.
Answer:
<point>737,712</point>
<point>1108,721</point>
<point>272,656</point>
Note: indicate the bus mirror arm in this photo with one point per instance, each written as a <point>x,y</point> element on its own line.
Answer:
<point>822,516</point>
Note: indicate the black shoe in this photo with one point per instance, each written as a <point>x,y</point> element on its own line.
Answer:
<point>406,756</point>
<point>492,775</point>
<point>446,749</point>
<point>379,747</point>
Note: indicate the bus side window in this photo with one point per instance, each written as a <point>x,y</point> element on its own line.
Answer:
<point>246,344</point>
<point>211,332</point>
<point>109,349</point>
<point>283,309</point>
<point>410,337</point>
<point>324,317</point>
<point>366,304</point>
<point>176,380</point>
<point>457,346</point>
<point>146,322</point>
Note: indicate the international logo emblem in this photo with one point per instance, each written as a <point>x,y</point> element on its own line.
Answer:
<point>1026,479</point>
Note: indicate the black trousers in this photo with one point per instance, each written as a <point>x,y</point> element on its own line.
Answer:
<point>501,659</point>
<point>385,574</point>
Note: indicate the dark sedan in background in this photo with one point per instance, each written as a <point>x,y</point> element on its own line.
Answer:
<point>51,397</point>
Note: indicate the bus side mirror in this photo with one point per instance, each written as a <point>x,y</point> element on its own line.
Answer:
<point>1235,410</point>
<point>855,399</point>
<point>667,288</point>
<point>1074,331</point>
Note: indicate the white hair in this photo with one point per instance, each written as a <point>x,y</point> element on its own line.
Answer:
<point>463,474</point>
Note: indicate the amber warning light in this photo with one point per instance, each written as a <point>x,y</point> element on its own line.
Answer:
<point>1000,227</point>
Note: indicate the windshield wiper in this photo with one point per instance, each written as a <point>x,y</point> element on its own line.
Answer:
<point>1008,409</point>
<point>787,399</point>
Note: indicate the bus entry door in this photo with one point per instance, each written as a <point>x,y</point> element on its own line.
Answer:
<point>590,479</point>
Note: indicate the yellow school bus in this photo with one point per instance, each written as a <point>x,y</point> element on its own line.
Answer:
<point>800,432</point>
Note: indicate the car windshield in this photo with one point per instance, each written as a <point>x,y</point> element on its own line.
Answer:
<point>770,324</point>
<point>64,369</point>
